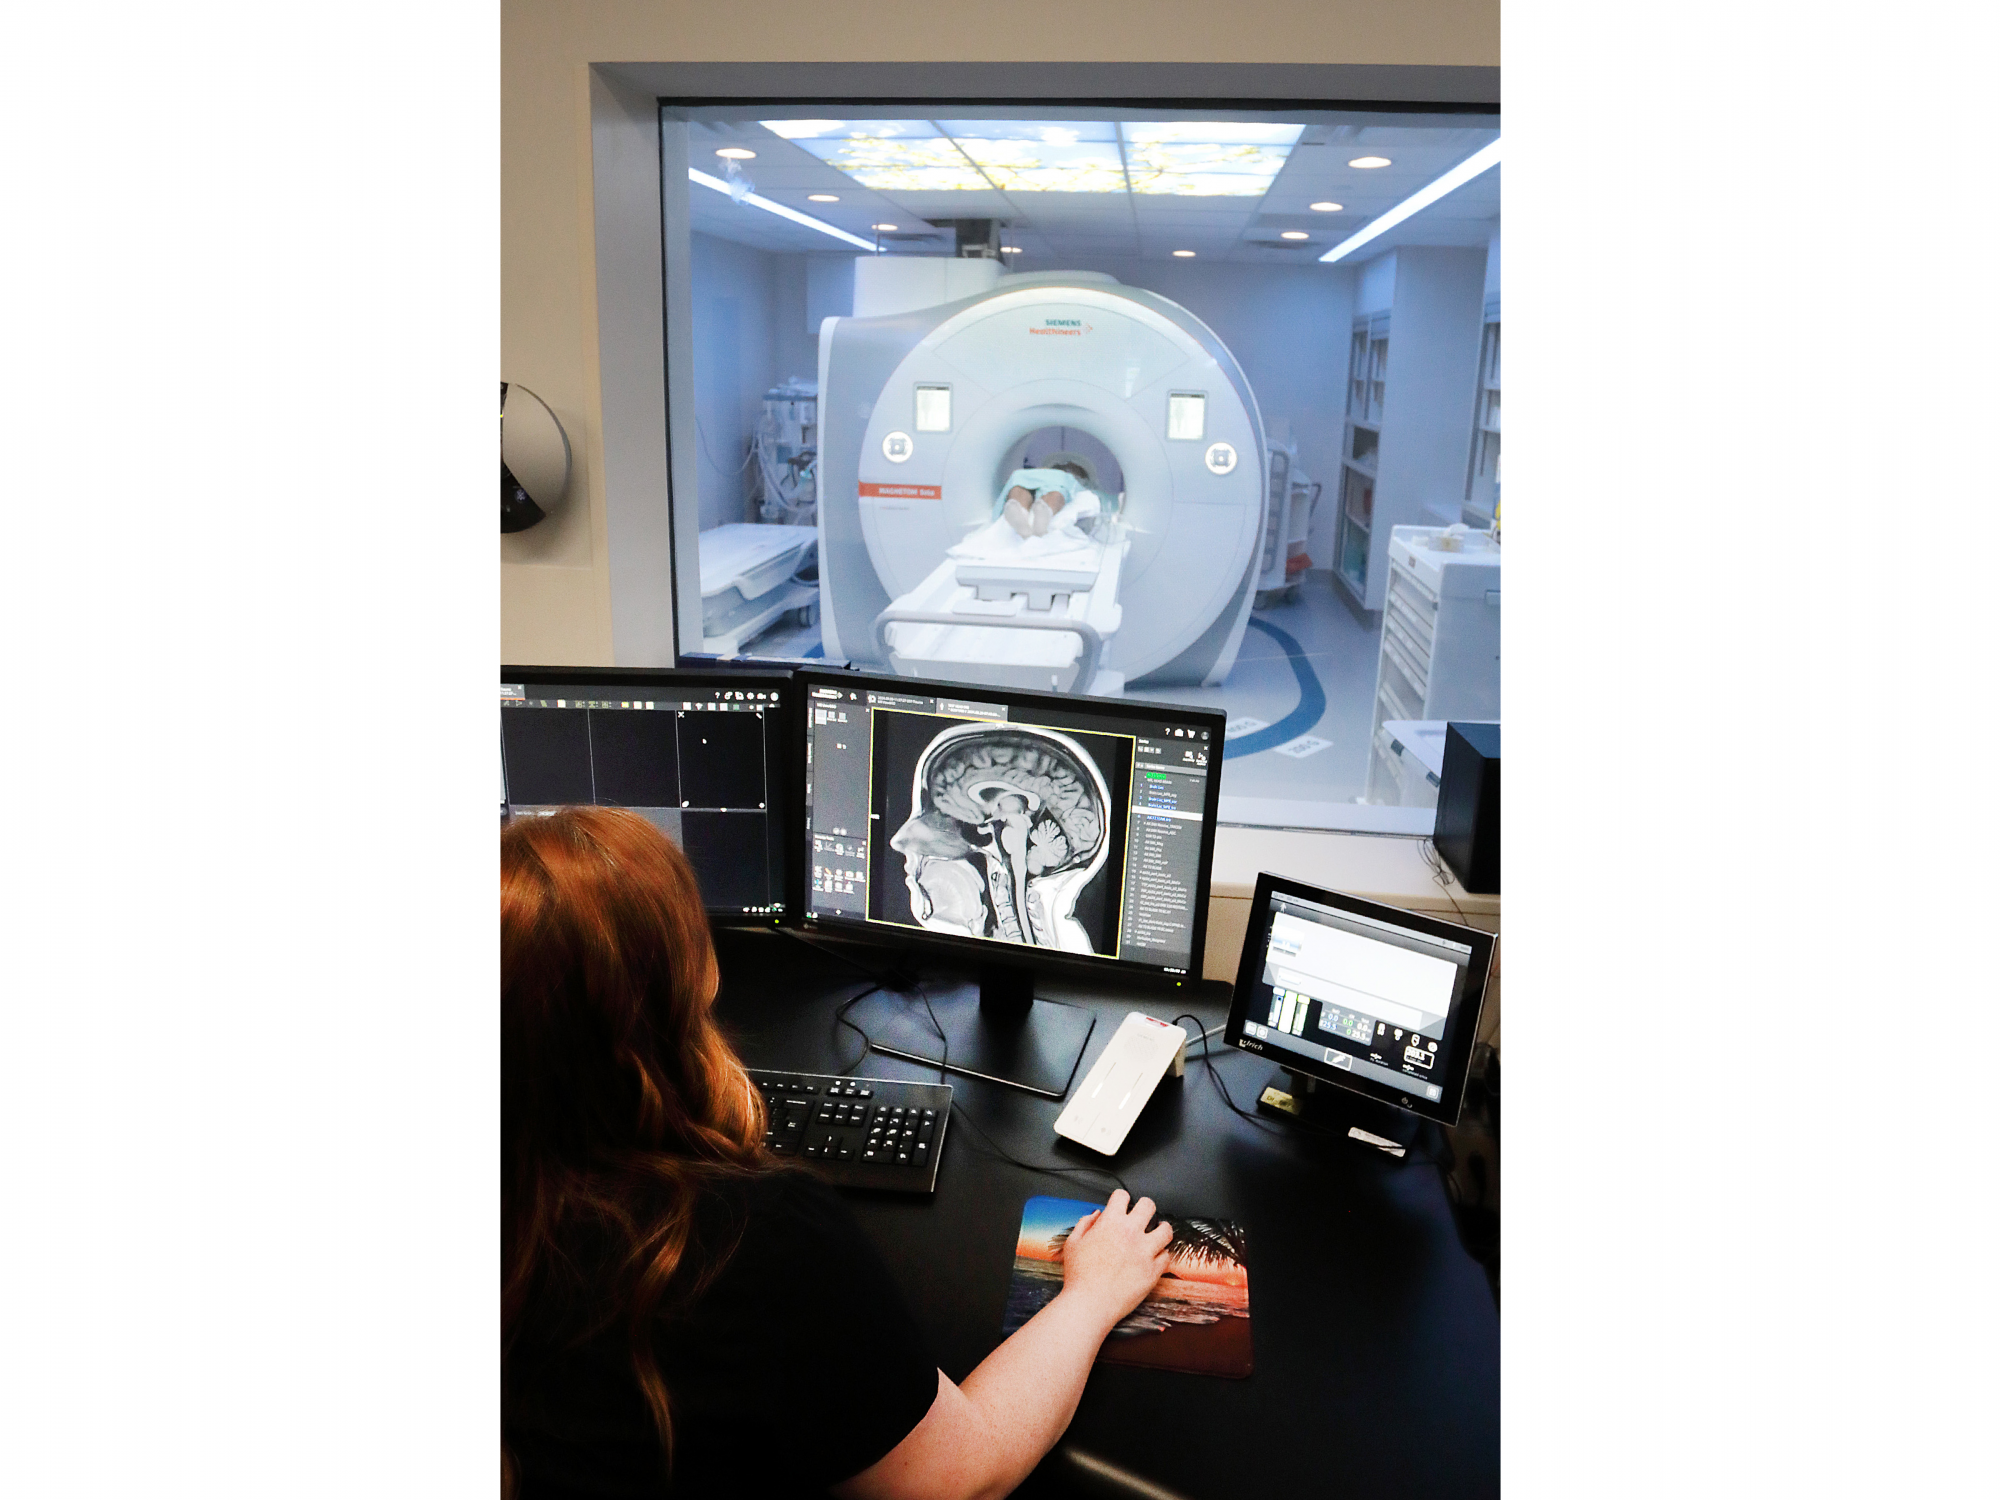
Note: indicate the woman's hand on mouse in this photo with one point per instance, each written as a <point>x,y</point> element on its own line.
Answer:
<point>1111,1260</point>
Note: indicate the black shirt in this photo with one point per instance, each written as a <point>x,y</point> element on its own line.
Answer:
<point>797,1367</point>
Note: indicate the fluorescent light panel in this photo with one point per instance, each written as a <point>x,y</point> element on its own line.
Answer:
<point>1486,156</point>
<point>1188,158</point>
<point>755,201</point>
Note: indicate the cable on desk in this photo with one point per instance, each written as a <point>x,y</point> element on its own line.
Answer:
<point>1271,1127</point>
<point>944,1042</point>
<point>840,1019</point>
<point>996,1149</point>
<point>1267,1126</point>
<point>1442,876</point>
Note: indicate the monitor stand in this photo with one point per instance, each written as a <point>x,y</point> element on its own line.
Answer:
<point>1296,1096</point>
<point>996,1030</point>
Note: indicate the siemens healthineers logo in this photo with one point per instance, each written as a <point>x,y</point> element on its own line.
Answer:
<point>1074,328</point>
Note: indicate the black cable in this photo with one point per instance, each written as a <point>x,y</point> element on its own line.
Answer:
<point>1271,1127</point>
<point>840,1019</point>
<point>1442,877</point>
<point>944,1063</point>
<point>1214,1077</point>
<point>996,1149</point>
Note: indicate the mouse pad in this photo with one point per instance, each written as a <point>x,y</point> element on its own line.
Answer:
<point>1196,1319</point>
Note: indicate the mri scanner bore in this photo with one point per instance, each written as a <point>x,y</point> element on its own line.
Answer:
<point>920,569</point>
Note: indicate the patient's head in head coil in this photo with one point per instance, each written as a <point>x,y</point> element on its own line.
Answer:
<point>1007,824</point>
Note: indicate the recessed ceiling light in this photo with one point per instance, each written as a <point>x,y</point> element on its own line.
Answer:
<point>1185,254</point>
<point>737,153</point>
<point>1010,249</point>
<point>1326,208</point>
<point>1294,234</point>
<point>885,228</point>
<point>822,197</point>
<point>1365,162</point>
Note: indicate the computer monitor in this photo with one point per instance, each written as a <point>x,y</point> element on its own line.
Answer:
<point>1021,833</point>
<point>708,757</point>
<point>1380,1003</point>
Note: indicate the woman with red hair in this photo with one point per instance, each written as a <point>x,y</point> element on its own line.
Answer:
<point>680,1313</point>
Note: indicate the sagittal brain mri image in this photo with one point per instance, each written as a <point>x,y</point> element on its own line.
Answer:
<point>1006,831</point>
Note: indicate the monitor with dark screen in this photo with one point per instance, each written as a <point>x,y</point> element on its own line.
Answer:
<point>1028,833</point>
<point>1377,1001</point>
<point>705,756</point>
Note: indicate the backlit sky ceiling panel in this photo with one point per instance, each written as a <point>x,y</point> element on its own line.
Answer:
<point>1209,159</point>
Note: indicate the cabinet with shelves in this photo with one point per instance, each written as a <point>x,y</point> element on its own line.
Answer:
<point>1482,470</point>
<point>1403,454</point>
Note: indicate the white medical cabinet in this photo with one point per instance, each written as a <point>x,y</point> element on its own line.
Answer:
<point>1440,654</point>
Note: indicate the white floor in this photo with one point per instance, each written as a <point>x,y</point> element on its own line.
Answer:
<point>1340,653</point>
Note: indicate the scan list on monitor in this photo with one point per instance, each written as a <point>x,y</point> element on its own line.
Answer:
<point>1078,832</point>
<point>694,765</point>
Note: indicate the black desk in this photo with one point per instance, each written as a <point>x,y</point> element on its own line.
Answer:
<point>1376,1335</point>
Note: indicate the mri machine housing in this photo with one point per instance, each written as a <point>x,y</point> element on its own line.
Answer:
<point>1058,349</point>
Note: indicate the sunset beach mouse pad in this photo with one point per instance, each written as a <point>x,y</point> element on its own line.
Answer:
<point>1196,1319</point>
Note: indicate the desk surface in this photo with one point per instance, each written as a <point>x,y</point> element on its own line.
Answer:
<point>1376,1335</point>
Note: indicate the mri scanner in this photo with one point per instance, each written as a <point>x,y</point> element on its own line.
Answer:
<point>923,416</point>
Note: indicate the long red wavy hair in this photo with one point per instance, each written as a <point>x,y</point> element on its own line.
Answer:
<point>620,1100</point>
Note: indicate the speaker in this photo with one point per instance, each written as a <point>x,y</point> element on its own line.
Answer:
<point>1467,836</point>
<point>534,458</point>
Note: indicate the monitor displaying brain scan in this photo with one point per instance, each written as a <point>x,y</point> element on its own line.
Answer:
<point>1071,827</point>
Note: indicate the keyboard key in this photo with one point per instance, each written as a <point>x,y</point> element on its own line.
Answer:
<point>868,1133</point>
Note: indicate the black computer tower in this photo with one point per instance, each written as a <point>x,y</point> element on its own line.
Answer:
<point>1468,811</point>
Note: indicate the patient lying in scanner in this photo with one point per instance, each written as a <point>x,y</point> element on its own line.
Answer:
<point>1036,496</point>
<point>1043,513</point>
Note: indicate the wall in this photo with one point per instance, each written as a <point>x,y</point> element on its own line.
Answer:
<point>555,590</point>
<point>1287,327</point>
<point>735,362</point>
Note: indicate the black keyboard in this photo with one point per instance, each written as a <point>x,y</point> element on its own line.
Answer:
<point>858,1132</point>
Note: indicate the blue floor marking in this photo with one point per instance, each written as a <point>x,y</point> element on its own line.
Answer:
<point>1312,701</point>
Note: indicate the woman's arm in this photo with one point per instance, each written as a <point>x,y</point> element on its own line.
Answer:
<point>981,1439</point>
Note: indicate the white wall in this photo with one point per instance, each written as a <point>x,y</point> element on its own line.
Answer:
<point>1378,284</point>
<point>735,359</point>
<point>1288,327</point>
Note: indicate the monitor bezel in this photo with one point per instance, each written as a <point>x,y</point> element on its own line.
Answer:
<point>788,784</point>
<point>1461,1033</point>
<point>987,951</point>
